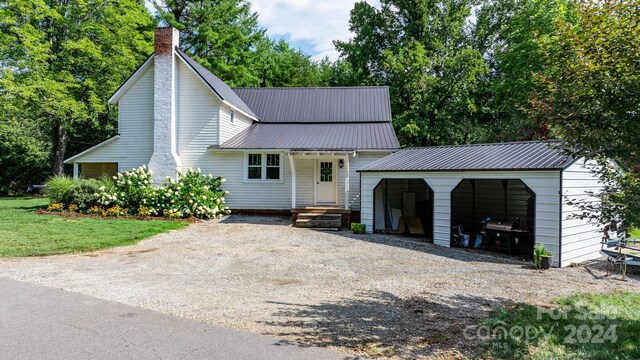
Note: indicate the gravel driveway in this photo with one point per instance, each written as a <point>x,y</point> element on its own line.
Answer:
<point>367,294</point>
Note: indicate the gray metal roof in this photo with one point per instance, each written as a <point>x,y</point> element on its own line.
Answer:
<point>348,136</point>
<point>533,155</point>
<point>317,105</point>
<point>218,86</point>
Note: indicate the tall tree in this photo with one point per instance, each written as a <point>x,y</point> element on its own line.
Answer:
<point>590,95</point>
<point>420,49</point>
<point>61,60</point>
<point>221,34</point>
<point>506,32</point>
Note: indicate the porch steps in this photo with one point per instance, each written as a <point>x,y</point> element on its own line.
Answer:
<point>319,220</point>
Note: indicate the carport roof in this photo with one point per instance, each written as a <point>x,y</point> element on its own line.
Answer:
<point>529,155</point>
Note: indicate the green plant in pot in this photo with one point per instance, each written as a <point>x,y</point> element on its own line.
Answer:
<point>542,258</point>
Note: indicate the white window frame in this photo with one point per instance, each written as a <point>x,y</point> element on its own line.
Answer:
<point>263,163</point>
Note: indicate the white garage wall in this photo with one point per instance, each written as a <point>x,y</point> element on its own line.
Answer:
<point>546,185</point>
<point>580,239</point>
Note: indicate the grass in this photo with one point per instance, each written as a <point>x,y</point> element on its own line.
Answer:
<point>635,233</point>
<point>25,233</point>
<point>607,327</point>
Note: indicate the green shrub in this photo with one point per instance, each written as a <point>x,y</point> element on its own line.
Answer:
<point>358,228</point>
<point>192,195</point>
<point>538,253</point>
<point>58,188</point>
<point>83,194</point>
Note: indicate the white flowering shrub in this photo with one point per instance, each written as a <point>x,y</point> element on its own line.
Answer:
<point>131,189</point>
<point>192,194</point>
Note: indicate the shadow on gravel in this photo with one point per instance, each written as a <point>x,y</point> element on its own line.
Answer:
<point>382,324</point>
<point>459,254</point>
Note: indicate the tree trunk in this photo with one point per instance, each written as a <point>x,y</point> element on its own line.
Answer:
<point>59,139</point>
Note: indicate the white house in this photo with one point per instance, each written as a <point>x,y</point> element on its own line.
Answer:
<point>319,153</point>
<point>527,184</point>
<point>278,148</point>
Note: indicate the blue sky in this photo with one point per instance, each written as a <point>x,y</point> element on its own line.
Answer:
<point>310,25</point>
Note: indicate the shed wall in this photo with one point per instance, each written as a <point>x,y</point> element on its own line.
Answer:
<point>580,239</point>
<point>545,184</point>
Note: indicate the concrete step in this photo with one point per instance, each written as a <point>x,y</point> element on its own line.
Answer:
<point>319,224</point>
<point>319,216</point>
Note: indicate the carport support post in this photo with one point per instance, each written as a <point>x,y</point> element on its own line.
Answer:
<point>292,163</point>
<point>76,170</point>
<point>346,182</point>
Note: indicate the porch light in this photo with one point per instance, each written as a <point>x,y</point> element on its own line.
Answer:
<point>341,163</point>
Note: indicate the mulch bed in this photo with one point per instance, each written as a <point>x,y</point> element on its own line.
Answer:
<point>98,216</point>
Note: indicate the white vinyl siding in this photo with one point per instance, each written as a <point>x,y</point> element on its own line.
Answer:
<point>197,118</point>
<point>256,195</point>
<point>580,239</point>
<point>230,129</point>
<point>270,195</point>
<point>135,126</point>
<point>545,184</point>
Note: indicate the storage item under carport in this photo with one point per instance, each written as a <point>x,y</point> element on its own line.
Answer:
<point>504,236</point>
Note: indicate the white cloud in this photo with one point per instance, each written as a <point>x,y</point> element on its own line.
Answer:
<point>317,22</point>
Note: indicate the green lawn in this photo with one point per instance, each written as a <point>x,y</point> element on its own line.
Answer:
<point>25,233</point>
<point>595,327</point>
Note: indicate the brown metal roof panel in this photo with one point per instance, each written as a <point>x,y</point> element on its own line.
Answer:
<point>317,105</point>
<point>502,156</point>
<point>348,136</point>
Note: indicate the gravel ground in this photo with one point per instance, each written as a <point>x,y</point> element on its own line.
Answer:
<point>367,294</point>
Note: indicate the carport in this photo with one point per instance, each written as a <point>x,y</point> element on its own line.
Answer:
<point>521,183</point>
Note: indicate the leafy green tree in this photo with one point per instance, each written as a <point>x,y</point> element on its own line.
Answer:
<point>61,60</point>
<point>590,93</point>
<point>420,49</point>
<point>506,32</point>
<point>222,35</point>
<point>277,64</point>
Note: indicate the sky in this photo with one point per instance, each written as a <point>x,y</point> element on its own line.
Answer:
<point>310,25</point>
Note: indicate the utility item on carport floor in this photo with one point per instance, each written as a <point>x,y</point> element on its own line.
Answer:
<point>502,236</point>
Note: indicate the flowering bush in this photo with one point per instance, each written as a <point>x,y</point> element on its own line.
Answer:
<point>56,207</point>
<point>73,208</point>
<point>95,210</point>
<point>192,195</point>
<point>115,210</point>
<point>130,190</point>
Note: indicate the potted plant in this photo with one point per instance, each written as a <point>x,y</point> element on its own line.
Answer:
<point>542,258</point>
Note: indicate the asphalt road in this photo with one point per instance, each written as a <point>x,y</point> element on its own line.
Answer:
<point>38,322</point>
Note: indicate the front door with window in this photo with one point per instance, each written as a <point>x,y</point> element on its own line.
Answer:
<point>326,191</point>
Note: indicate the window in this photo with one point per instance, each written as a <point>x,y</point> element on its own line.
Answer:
<point>326,171</point>
<point>263,167</point>
<point>255,167</point>
<point>273,167</point>
<point>232,116</point>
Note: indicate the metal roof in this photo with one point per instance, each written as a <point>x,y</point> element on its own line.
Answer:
<point>217,85</point>
<point>532,155</point>
<point>317,105</point>
<point>348,136</point>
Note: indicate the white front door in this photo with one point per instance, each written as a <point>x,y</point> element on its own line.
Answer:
<point>326,190</point>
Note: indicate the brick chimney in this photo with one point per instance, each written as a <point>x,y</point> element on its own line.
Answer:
<point>164,159</point>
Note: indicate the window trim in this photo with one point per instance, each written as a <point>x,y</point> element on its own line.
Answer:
<point>263,164</point>
<point>232,116</point>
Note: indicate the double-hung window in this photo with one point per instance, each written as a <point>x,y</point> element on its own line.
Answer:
<point>264,167</point>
